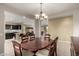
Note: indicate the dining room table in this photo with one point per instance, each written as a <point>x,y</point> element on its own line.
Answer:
<point>35,45</point>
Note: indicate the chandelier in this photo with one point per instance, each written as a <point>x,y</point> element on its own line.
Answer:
<point>42,15</point>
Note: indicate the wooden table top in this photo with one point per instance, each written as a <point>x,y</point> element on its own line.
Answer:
<point>36,44</point>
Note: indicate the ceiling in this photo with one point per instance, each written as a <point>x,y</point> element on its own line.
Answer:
<point>30,9</point>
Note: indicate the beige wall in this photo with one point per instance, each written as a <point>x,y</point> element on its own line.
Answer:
<point>24,28</point>
<point>63,28</point>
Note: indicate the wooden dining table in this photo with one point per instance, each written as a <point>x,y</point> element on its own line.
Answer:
<point>35,45</point>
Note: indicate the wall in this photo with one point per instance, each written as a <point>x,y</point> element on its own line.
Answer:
<point>75,14</point>
<point>76,23</point>
<point>11,17</point>
<point>1,31</point>
<point>66,44</point>
<point>63,28</point>
<point>61,25</point>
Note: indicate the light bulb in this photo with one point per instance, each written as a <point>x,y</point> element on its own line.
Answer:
<point>46,17</point>
<point>43,14</point>
<point>36,16</point>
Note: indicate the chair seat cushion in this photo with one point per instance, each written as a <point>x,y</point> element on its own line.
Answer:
<point>27,53</point>
<point>43,52</point>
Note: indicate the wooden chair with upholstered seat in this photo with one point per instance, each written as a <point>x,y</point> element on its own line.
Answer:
<point>18,51</point>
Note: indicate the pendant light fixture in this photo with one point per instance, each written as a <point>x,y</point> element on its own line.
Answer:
<point>42,15</point>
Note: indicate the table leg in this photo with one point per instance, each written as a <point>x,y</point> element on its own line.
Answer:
<point>34,53</point>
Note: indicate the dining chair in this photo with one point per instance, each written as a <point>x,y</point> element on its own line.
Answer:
<point>17,48</point>
<point>24,38</point>
<point>32,37</point>
<point>51,52</point>
<point>56,40</point>
<point>18,51</point>
<point>47,37</point>
<point>21,35</point>
<point>54,47</point>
